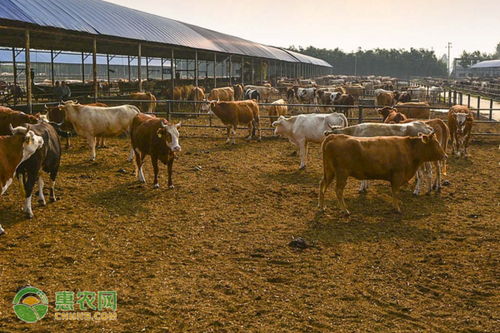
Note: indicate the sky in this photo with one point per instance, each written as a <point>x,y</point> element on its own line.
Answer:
<point>346,24</point>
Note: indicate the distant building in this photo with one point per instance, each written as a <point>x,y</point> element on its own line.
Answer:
<point>488,68</point>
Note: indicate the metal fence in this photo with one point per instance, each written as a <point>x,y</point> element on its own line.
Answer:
<point>355,113</point>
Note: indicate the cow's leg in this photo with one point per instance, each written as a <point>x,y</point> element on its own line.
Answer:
<point>41,197</point>
<point>466,145</point>
<point>250,131</point>
<point>68,142</point>
<point>1,231</point>
<point>340,184</point>
<point>452,142</point>
<point>233,130</point>
<point>154,162</point>
<point>395,193</point>
<point>52,184</point>
<point>139,161</point>
<point>228,140</point>
<point>363,186</point>
<point>328,176</point>
<point>28,189</point>
<point>418,182</point>
<point>91,142</point>
<point>437,182</point>
<point>170,165</point>
<point>428,171</point>
<point>257,126</point>
<point>303,153</point>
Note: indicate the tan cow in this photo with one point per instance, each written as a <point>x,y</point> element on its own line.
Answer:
<point>238,92</point>
<point>222,94</point>
<point>460,120</point>
<point>418,110</point>
<point>277,109</point>
<point>385,99</point>
<point>234,113</point>
<point>356,90</point>
<point>146,101</point>
<point>197,95</point>
<point>394,159</point>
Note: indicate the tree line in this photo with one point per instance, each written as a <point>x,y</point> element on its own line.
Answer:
<point>470,58</point>
<point>388,62</point>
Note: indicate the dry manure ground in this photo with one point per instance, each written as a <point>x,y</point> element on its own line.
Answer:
<point>213,254</point>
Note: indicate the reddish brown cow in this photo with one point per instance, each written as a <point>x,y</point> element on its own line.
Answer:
<point>344,99</point>
<point>15,118</point>
<point>236,113</point>
<point>395,159</point>
<point>442,134</point>
<point>238,92</point>
<point>394,117</point>
<point>418,110</point>
<point>157,138</point>
<point>460,120</point>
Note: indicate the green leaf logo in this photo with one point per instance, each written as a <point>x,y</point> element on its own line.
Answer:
<point>30,304</point>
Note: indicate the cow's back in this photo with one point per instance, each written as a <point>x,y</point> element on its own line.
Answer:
<point>419,110</point>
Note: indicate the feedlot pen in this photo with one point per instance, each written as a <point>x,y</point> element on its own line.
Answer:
<point>213,255</point>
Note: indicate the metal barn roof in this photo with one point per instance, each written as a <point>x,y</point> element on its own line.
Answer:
<point>98,17</point>
<point>487,64</point>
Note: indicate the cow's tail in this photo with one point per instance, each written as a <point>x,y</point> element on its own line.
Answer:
<point>446,137</point>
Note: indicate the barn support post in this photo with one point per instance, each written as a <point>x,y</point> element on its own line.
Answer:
<point>242,70</point>
<point>147,68</point>
<point>253,72</point>
<point>281,68</point>
<point>14,67</point>
<point>468,101</point>
<point>94,68</point>
<point>215,70</point>
<point>491,109</point>
<point>52,75</point>
<point>478,106</point>
<point>261,71</point>
<point>161,61</point>
<point>360,114</point>
<point>196,69</point>
<point>230,70</point>
<point>172,73</point>
<point>107,71</point>
<point>83,67</point>
<point>28,72</point>
<point>139,55</point>
<point>128,68</point>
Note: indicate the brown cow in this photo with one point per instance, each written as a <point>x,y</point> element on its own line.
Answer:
<point>385,99</point>
<point>402,97</point>
<point>395,159</point>
<point>460,120</point>
<point>15,118</point>
<point>277,109</point>
<point>418,110</point>
<point>442,134</point>
<point>344,99</point>
<point>393,116</point>
<point>222,94</point>
<point>236,113</point>
<point>238,92</point>
<point>157,138</point>
<point>355,90</point>
<point>197,95</point>
<point>141,98</point>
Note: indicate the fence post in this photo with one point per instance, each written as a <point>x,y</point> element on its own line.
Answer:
<point>468,101</point>
<point>478,107</point>
<point>491,109</point>
<point>360,114</point>
<point>169,110</point>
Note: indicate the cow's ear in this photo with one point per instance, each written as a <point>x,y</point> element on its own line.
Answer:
<point>178,125</point>
<point>423,137</point>
<point>158,133</point>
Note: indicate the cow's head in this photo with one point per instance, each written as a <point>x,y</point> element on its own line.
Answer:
<point>334,129</point>
<point>385,111</point>
<point>206,106</point>
<point>433,150</point>
<point>170,133</point>
<point>280,125</point>
<point>31,141</point>
<point>334,96</point>
<point>461,118</point>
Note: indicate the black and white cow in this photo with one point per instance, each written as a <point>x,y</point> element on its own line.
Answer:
<point>46,158</point>
<point>252,94</point>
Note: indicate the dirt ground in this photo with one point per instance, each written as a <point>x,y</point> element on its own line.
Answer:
<point>213,255</point>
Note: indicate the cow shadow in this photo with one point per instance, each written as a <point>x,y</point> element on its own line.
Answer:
<point>294,177</point>
<point>124,199</point>
<point>12,215</point>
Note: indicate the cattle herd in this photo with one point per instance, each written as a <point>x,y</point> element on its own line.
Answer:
<point>406,144</point>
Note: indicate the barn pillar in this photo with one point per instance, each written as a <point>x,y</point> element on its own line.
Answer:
<point>14,65</point>
<point>94,68</point>
<point>172,73</point>
<point>230,70</point>
<point>242,70</point>
<point>83,66</point>
<point>139,55</point>
<point>196,68</point>
<point>28,72</point>
<point>215,70</point>
<point>107,69</point>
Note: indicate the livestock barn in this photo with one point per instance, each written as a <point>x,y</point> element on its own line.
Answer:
<point>225,234</point>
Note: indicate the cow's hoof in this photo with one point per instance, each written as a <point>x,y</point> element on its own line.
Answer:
<point>171,187</point>
<point>29,215</point>
<point>347,213</point>
<point>303,167</point>
<point>53,199</point>
<point>156,186</point>
<point>42,203</point>
<point>416,193</point>
<point>363,191</point>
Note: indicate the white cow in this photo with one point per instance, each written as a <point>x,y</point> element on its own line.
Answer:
<point>265,92</point>
<point>376,129</point>
<point>305,128</point>
<point>306,95</point>
<point>92,121</point>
